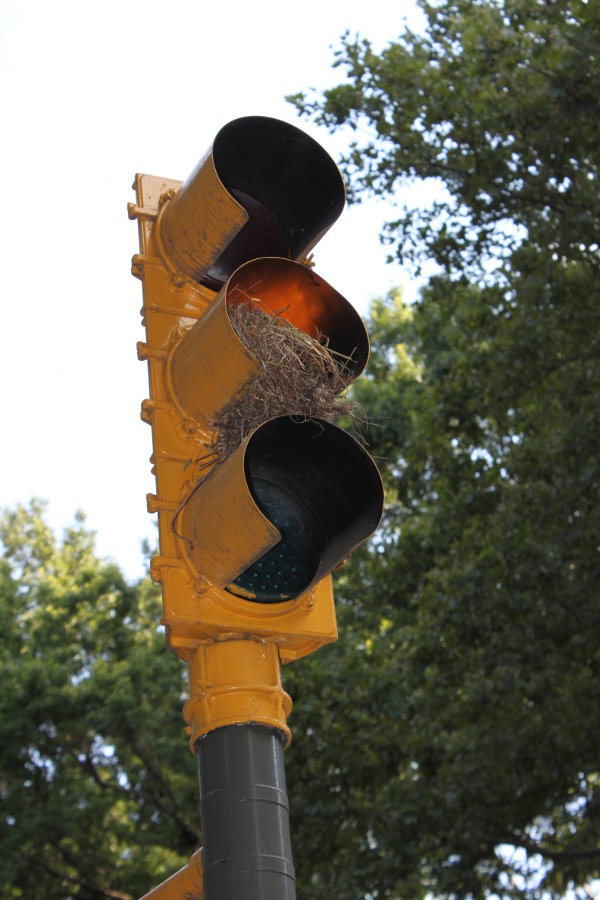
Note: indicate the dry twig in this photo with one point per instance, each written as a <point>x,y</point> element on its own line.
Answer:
<point>299,376</point>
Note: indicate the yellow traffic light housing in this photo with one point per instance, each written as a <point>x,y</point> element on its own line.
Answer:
<point>247,543</point>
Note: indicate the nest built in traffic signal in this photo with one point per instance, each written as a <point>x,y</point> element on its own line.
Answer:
<point>248,539</point>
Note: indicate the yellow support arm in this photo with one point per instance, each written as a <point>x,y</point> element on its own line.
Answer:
<point>185,883</point>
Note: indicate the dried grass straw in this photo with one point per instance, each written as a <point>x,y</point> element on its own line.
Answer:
<point>300,376</point>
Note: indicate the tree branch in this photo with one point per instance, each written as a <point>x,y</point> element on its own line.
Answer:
<point>172,810</point>
<point>82,882</point>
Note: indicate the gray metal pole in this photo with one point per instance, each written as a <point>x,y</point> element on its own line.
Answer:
<point>247,853</point>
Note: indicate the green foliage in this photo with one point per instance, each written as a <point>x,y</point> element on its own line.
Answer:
<point>498,103</point>
<point>458,713</point>
<point>97,783</point>
<point>454,752</point>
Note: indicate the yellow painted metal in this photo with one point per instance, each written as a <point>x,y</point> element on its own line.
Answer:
<point>233,682</point>
<point>194,608</point>
<point>199,222</point>
<point>210,367</point>
<point>187,882</point>
<point>223,505</point>
<point>195,612</point>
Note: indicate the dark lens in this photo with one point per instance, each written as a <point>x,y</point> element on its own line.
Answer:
<point>288,568</point>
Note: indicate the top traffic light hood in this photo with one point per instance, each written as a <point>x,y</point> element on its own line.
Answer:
<point>265,188</point>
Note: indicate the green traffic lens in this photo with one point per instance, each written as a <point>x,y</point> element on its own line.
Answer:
<point>287,569</point>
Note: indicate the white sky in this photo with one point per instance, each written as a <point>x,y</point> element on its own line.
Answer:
<point>92,94</point>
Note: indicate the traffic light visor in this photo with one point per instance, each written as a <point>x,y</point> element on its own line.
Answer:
<point>211,367</point>
<point>264,189</point>
<point>310,495</point>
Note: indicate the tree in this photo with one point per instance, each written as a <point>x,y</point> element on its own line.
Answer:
<point>470,685</point>
<point>457,717</point>
<point>498,103</point>
<point>99,794</point>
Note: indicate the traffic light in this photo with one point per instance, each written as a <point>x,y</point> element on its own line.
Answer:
<point>259,496</point>
<point>247,542</point>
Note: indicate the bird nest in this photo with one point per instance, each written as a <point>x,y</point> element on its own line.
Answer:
<point>300,376</point>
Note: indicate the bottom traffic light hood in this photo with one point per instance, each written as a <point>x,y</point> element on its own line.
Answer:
<point>283,510</point>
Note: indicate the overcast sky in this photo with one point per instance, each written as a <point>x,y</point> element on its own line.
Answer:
<point>92,94</point>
